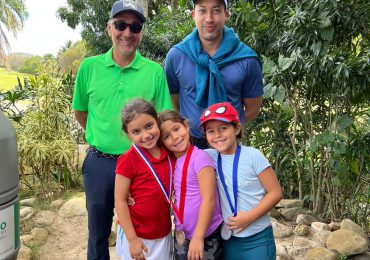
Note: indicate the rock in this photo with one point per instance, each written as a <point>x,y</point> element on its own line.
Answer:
<point>348,224</point>
<point>274,213</point>
<point>291,213</point>
<point>301,230</point>
<point>301,245</point>
<point>287,203</point>
<point>365,256</point>
<point>44,218</point>
<point>346,242</point>
<point>319,226</point>
<point>28,202</point>
<point>25,253</point>
<point>281,230</point>
<point>26,213</point>
<point>56,204</point>
<point>40,235</point>
<point>320,237</point>
<point>305,219</point>
<point>73,207</point>
<point>303,242</point>
<point>321,253</point>
<point>282,252</point>
<point>334,225</point>
<point>26,239</point>
<point>283,257</point>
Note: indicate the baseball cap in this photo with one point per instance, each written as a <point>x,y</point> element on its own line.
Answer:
<point>225,2</point>
<point>220,111</point>
<point>129,6</point>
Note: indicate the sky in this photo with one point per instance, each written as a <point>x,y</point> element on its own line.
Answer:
<point>43,32</point>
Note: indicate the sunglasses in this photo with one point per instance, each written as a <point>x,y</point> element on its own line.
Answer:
<point>134,27</point>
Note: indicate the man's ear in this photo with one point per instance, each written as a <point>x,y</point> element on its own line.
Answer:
<point>192,14</point>
<point>109,27</point>
<point>227,14</point>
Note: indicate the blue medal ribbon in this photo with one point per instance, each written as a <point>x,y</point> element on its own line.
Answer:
<point>155,175</point>
<point>235,179</point>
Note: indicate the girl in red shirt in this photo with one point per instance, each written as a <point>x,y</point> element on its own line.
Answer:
<point>144,172</point>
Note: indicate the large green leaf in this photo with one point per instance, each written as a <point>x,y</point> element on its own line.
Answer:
<point>269,67</point>
<point>342,122</point>
<point>268,90</point>
<point>285,63</point>
<point>280,94</point>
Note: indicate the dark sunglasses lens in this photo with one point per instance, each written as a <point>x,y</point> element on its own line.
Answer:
<point>120,26</point>
<point>136,27</point>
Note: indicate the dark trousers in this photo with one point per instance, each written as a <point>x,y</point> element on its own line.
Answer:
<point>99,175</point>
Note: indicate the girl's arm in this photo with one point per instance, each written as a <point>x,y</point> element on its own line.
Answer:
<point>121,191</point>
<point>273,195</point>
<point>207,184</point>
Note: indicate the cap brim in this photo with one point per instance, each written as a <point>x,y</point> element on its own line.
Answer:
<point>214,118</point>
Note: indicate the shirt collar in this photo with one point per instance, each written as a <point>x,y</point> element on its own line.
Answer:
<point>135,64</point>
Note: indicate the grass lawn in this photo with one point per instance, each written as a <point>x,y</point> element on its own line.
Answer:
<point>8,79</point>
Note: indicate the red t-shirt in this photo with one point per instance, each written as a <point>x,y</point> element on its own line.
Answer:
<point>151,213</point>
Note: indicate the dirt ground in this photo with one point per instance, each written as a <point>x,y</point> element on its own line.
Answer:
<point>67,240</point>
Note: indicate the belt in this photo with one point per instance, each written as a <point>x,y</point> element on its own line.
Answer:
<point>98,153</point>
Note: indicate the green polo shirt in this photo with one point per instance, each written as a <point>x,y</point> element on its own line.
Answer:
<point>102,88</point>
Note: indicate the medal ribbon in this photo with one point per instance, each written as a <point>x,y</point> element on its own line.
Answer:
<point>155,175</point>
<point>180,212</point>
<point>235,179</point>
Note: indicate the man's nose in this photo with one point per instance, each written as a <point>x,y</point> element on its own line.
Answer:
<point>209,16</point>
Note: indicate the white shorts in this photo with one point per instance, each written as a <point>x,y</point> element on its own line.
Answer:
<point>160,248</point>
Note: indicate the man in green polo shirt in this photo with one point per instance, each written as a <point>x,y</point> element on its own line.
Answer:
<point>104,84</point>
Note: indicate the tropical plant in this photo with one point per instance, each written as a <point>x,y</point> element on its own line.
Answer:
<point>163,31</point>
<point>12,16</point>
<point>46,133</point>
<point>316,65</point>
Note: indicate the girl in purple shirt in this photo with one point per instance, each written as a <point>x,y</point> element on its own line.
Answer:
<point>196,208</point>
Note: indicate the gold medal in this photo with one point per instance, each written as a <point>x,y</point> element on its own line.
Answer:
<point>180,237</point>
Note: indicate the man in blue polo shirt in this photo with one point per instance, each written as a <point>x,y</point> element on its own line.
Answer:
<point>211,65</point>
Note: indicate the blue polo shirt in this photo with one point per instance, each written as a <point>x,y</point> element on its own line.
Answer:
<point>242,79</point>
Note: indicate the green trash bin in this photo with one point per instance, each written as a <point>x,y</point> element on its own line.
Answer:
<point>9,200</point>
